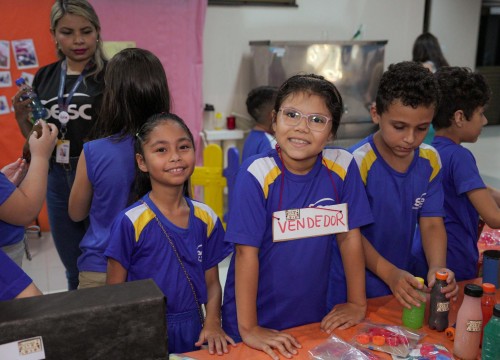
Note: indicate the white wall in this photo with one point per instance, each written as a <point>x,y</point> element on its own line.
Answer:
<point>228,30</point>
<point>456,24</point>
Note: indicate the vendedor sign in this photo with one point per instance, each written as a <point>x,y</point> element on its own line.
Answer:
<point>308,222</point>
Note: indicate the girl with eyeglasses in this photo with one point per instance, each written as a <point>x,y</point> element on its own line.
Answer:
<point>291,205</point>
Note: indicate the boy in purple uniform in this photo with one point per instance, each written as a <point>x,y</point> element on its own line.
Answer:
<point>460,118</point>
<point>402,179</point>
<point>260,103</point>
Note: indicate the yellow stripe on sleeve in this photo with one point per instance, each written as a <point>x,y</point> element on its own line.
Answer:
<point>140,216</point>
<point>429,153</point>
<point>265,172</point>
<point>205,214</point>
<point>365,157</point>
<point>337,160</point>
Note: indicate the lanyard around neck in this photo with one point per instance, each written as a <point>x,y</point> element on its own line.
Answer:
<point>63,105</point>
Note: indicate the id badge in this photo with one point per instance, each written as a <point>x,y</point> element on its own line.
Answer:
<point>296,224</point>
<point>62,151</point>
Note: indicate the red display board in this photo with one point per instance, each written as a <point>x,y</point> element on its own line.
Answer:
<point>21,20</point>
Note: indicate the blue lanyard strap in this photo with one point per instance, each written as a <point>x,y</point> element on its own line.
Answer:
<point>63,105</point>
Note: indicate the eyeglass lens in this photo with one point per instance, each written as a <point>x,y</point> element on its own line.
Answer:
<point>314,122</point>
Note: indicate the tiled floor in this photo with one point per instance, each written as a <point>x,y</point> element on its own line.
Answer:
<point>45,267</point>
<point>47,271</point>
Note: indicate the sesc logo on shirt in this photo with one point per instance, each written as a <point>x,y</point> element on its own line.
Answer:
<point>83,111</point>
<point>199,252</point>
<point>419,202</point>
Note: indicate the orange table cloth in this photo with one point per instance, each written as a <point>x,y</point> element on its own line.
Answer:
<point>386,310</point>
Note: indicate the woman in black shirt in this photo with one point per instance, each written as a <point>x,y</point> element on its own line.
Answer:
<point>71,90</point>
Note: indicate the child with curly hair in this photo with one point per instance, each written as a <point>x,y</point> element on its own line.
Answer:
<point>403,181</point>
<point>458,119</point>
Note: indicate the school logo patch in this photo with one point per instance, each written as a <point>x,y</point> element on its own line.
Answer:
<point>419,202</point>
<point>199,252</point>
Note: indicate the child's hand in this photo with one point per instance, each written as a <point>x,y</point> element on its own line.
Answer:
<point>41,145</point>
<point>405,288</point>
<point>451,290</point>
<point>266,340</point>
<point>15,171</point>
<point>216,337</point>
<point>22,109</point>
<point>343,316</point>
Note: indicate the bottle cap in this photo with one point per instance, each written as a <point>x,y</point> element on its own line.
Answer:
<point>420,280</point>
<point>496,310</point>
<point>473,290</point>
<point>441,275</point>
<point>489,288</point>
<point>20,81</point>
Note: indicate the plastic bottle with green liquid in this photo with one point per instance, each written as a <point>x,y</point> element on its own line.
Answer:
<point>414,318</point>
<point>491,336</point>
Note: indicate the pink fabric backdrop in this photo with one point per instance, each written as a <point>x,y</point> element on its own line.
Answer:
<point>173,31</point>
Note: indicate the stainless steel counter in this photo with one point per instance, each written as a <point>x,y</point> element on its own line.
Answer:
<point>355,67</point>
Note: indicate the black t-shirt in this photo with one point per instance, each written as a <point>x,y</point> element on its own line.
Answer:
<point>83,108</point>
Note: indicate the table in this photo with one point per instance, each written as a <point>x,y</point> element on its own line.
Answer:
<point>385,309</point>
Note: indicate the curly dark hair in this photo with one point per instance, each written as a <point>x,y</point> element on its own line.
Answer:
<point>316,85</point>
<point>260,102</point>
<point>461,89</point>
<point>408,82</point>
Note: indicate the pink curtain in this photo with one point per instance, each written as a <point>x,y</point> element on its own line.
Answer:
<point>173,31</point>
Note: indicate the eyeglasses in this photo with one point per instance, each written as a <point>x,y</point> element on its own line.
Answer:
<point>315,122</point>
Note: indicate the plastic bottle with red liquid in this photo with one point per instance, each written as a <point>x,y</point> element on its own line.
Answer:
<point>439,304</point>
<point>487,304</point>
<point>231,122</point>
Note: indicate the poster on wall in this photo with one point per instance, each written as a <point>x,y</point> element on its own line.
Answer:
<point>4,105</point>
<point>4,55</point>
<point>24,53</point>
<point>28,78</point>
<point>5,79</point>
